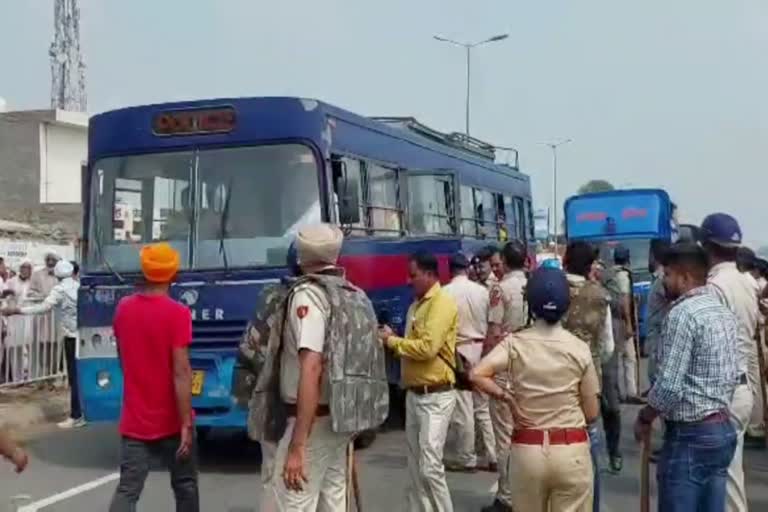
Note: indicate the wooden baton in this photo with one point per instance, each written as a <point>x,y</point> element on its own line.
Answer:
<point>645,499</point>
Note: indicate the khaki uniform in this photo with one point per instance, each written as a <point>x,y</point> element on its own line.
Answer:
<point>550,372</point>
<point>739,293</point>
<point>508,308</point>
<point>430,329</point>
<point>472,412</point>
<point>326,468</point>
<point>625,345</point>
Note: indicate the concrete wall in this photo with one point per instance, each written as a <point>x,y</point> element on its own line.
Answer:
<point>40,159</point>
<point>63,150</point>
<point>19,163</point>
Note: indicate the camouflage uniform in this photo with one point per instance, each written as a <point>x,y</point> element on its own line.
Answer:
<point>587,318</point>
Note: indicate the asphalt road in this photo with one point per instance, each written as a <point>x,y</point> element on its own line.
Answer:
<point>76,472</point>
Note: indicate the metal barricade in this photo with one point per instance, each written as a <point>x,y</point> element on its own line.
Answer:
<point>32,350</point>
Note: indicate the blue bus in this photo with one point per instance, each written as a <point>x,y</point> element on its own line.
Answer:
<point>228,182</point>
<point>631,218</point>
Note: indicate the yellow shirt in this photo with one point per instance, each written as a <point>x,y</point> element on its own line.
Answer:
<point>430,330</point>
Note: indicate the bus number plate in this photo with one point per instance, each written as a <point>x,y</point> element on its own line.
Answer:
<point>197,382</point>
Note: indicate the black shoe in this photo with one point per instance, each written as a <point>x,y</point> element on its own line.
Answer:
<point>458,468</point>
<point>497,506</point>
<point>616,464</point>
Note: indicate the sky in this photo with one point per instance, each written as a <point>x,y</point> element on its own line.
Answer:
<point>653,93</point>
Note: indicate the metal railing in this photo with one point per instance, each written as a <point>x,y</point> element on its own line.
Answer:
<point>32,349</point>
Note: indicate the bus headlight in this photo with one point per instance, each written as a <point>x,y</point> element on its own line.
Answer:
<point>103,379</point>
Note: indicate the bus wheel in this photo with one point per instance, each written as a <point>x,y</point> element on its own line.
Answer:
<point>203,433</point>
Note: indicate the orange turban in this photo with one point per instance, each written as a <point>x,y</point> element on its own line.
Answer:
<point>159,262</point>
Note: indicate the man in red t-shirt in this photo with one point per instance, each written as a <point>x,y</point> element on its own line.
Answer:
<point>153,335</point>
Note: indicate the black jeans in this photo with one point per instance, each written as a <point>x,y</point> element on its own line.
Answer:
<point>135,461</point>
<point>74,394</point>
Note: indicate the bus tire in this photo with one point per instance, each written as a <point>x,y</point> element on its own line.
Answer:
<point>202,433</point>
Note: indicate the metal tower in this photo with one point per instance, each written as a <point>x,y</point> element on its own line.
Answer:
<point>67,65</point>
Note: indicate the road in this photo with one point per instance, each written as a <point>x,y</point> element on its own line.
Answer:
<point>76,472</point>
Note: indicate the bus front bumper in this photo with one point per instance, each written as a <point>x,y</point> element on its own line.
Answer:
<point>101,390</point>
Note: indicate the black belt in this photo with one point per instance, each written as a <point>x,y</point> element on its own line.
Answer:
<point>715,417</point>
<point>429,389</point>
<point>322,410</point>
<point>743,379</point>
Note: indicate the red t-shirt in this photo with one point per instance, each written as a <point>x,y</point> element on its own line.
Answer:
<point>148,328</point>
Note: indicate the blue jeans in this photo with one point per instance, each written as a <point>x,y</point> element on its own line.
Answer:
<point>594,449</point>
<point>693,466</point>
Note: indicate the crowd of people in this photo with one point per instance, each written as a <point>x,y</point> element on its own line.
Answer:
<point>506,368</point>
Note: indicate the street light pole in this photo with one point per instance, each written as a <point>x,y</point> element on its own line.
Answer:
<point>468,48</point>
<point>469,74</point>
<point>553,146</point>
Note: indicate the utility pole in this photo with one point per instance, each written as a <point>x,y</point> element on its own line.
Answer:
<point>67,64</point>
<point>468,48</point>
<point>553,146</point>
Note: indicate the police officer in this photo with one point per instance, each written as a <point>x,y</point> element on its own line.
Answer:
<point>552,387</point>
<point>257,342</point>
<point>589,318</point>
<point>472,413</point>
<point>310,461</point>
<point>721,237</point>
<point>508,312</point>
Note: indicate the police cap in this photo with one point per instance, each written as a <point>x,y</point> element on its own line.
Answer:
<point>458,262</point>
<point>621,254</point>
<point>721,229</point>
<point>548,294</point>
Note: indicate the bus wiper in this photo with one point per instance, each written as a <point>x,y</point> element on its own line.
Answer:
<point>100,250</point>
<point>223,228</point>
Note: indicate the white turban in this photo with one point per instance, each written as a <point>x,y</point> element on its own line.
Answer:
<point>63,269</point>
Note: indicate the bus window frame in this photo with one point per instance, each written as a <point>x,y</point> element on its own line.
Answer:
<point>369,208</point>
<point>452,208</point>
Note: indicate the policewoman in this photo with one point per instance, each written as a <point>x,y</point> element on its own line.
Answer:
<point>552,388</point>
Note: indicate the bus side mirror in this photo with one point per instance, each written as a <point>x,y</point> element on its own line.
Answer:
<point>349,202</point>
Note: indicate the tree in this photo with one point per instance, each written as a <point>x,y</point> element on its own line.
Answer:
<point>595,186</point>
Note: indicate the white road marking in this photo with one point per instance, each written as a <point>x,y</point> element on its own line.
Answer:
<point>80,489</point>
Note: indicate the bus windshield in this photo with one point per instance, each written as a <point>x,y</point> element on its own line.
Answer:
<point>639,253</point>
<point>224,207</point>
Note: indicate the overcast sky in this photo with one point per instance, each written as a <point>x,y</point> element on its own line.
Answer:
<point>657,93</point>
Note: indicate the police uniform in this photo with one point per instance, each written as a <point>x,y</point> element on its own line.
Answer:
<point>508,309</point>
<point>472,408</point>
<point>625,345</point>
<point>549,374</point>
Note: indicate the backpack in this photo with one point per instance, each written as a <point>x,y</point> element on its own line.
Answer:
<point>354,358</point>
<point>585,317</point>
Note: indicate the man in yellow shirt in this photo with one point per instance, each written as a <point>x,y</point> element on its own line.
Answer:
<point>428,354</point>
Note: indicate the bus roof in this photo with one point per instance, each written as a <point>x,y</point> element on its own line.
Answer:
<point>328,129</point>
<point>619,215</point>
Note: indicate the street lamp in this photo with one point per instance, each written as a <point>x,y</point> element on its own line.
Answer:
<point>468,47</point>
<point>553,146</point>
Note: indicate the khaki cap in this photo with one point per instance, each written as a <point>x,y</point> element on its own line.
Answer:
<point>319,245</point>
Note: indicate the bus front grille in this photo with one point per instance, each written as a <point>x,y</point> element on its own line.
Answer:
<point>217,335</point>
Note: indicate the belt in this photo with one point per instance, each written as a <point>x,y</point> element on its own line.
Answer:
<point>556,436</point>
<point>743,379</point>
<point>429,389</point>
<point>469,342</point>
<point>716,417</point>
<point>322,410</point>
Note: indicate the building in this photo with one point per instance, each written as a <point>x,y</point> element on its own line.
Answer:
<point>41,156</point>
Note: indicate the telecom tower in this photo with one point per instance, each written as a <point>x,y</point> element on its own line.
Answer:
<point>67,65</point>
